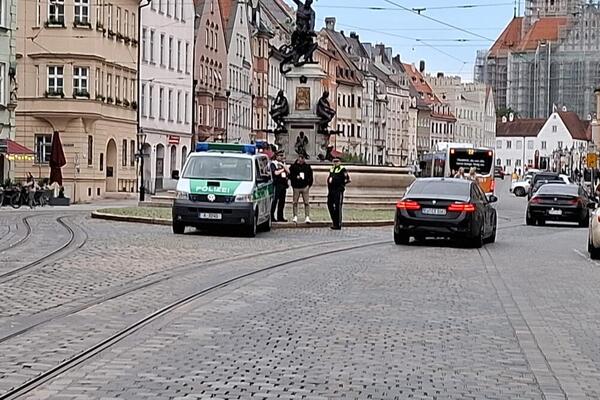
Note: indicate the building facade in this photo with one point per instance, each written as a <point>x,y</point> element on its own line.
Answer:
<point>435,119</point>
<point>78,77</point>
<point>549,57</point>
<point>471,104</point>
<point>210,73</point>
<point>234,14</point>
<point>166,98</point>
<point>8,80</point>
<point>542,143</point>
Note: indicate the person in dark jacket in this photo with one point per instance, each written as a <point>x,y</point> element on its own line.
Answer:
<point>281,174</point>
<point>336,185</point>
<point>301,177</point>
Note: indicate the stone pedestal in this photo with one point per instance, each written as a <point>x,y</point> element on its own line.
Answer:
<point>304,89</point>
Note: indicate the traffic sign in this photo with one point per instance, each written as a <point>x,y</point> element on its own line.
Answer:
<point>592,160</point>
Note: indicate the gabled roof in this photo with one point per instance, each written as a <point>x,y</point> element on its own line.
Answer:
<point>339,42</point>
<point>519,127</point>
<point>579,130</point>
<point>509,39</point>
<point>544,29</point>
<point>381,75</point>
<point>278,12</point>
<point>420,85</point>
<point>226,7</point>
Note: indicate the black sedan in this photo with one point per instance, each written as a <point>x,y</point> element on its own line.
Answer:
<point>559,202</point>
<point>451,208</point>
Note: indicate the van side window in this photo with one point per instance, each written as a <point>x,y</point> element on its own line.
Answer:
<point>264,166</point>
<point>257,169</point>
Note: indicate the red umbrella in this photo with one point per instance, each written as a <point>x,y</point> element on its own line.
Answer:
<point>57,160</point>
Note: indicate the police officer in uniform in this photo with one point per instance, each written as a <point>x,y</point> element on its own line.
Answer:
<point>281,174</point>
<point>336,185</point>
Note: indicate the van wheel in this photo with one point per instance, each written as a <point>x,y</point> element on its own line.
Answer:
<point>519,192</point>
<point>178,228</point>
<point>266,226</point>
<point>252,229</point>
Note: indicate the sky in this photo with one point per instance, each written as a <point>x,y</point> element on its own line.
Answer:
<point>415,37</point>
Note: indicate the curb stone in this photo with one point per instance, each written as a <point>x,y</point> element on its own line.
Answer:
<point>162,221</point>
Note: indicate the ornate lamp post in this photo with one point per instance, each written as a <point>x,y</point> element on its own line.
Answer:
<point>141,138</point>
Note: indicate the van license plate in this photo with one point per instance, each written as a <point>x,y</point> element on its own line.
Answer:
<point>434,211</point>
<point>212,216</point>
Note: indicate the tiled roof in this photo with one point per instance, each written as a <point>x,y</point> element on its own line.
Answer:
<point>382,76</point>
<point>421,86</point>
<point>280,12</point>
<point>520,128</point>
<point>443,117</point>
<point>543,29</point>
<point>509,39</point>
<point>513,37</point>
<point>580,130</point>
<point>226,7</point>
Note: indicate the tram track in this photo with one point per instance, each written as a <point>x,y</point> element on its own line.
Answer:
<point>141,284</point>
<point>68,364</point>
<point>25,221</point>
<point>54,255</point>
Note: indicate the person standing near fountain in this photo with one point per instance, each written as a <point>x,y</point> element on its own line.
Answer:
<point>336,186</point>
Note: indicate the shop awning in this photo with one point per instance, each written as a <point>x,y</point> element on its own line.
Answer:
<point>15,151</point>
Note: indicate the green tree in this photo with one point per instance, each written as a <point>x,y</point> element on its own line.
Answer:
<point>505,112</point>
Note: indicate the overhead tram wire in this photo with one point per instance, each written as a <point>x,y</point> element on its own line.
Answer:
<point>417,9</point>
<point>408,38</point>
<point>458,28</point>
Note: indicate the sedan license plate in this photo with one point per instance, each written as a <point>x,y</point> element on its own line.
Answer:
<point>212,216</point>
<point>555,212</point>
<point>434,211</point>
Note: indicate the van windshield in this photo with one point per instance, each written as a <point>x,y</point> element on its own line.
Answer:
<point>219,168</point>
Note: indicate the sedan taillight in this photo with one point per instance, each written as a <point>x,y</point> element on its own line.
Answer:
<point>535,200</point>
<point>461,207</point>
<point>409,205</point>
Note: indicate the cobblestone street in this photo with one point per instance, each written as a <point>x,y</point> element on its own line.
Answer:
<point>294,314</point>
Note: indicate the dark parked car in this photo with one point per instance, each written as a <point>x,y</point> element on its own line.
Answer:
<point>545,176</point>
<point>499,172</point>
<point>452,208</point>
<point>559,202</point>
<point>541,183</point>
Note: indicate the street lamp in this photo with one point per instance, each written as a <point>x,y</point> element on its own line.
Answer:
<point>228,95</point>
<point>141,138</point>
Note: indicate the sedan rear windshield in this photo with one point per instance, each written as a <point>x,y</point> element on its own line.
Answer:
<point>447,188</point>
<point>553,188</point>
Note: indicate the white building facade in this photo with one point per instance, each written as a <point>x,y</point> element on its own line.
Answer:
<point>536,143</point>
<point>239,69</point>
<point>166,80</point>
<point>471,104</point>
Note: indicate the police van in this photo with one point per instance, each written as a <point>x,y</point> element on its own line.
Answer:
<point>224,184</point>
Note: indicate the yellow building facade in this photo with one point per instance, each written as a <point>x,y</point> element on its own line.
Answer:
<point>77,63</point>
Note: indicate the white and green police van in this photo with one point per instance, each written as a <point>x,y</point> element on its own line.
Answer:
<point>224,184</point>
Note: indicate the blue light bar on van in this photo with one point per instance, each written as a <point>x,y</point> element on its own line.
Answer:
<point>226,148</point>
